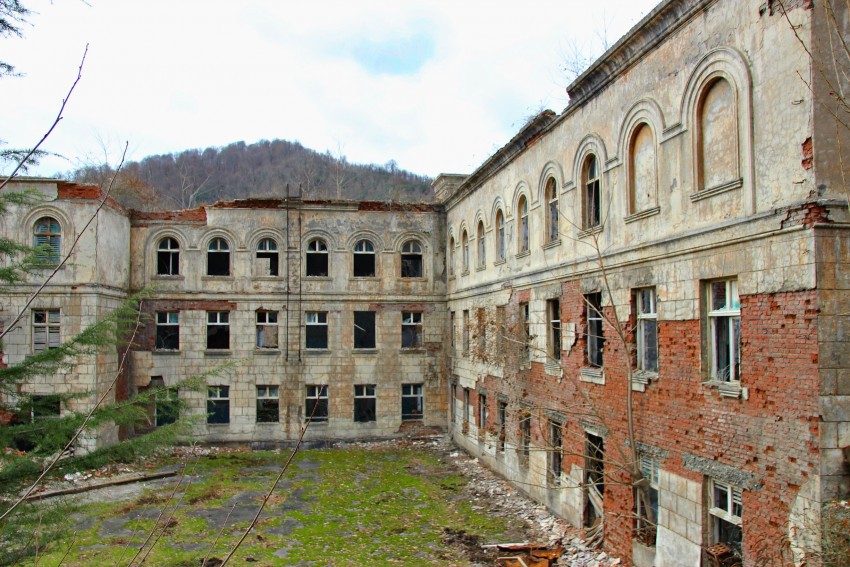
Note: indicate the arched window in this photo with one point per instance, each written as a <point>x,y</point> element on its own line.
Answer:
<point>452,256</point>
<point>522,215</point>
<point>411,260</point>
<point>642,172</point>
<point>364,259</point>
<point>267,257</point>
<point>552,213</point>
<point>500,234</point>
<point>48,238</point>
<point>717,136</point>
<point>218,258</point>
<point>168,257</point>
<point>591,197</point>
<point>464,250</point>
<point>482,248</point>
<point>317,258</point>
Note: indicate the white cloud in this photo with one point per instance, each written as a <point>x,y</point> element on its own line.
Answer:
<point>174,75</point>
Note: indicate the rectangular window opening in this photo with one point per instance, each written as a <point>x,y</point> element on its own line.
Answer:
<point>412,402</point>
<point>218,404</point>
<point>218,330</point>
<point>364,329</point>
<point>316,331</point>
<point>365,403</point>
<point>316,404</point>
<point>167,330</point>
<point>411,330</point>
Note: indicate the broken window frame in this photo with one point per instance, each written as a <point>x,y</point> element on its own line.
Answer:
<point>482,414</point>
<point>552,212</point>
<point>523,236</point>
<point>646,527</point>
<point>218,405</point>
<point>316,395</point>
<point>267,249</point>
<point>168,257</point>
<point>317,259</point>
<point>268,330</point>
<point>218,330</point>
<point>553,313</point>
<point>726,511</point>
<point>724,329</point>
<point>167,330</point>
<point>365,403</point>
<point>525,331</point>
<point>218,257</point>
<point>47,237</point>
<point>647,329</point>
<point>365,330</point>
<point>482,247</point>
<point>412,402</point>
<point>595,462</point>
<point>411,330</point>
<point>500,235</point>
<point>466,404</point>
<point>316,330</point>
<point>524,445</point>
<point>268,404</point>
<point>555,460</point>
<point>363,259</point>
<point>46,329</point>
<point>592,217</point>
<point>502,413</point>
<point>411,260</point>
<point>595,333</point>
<point>452,331</point>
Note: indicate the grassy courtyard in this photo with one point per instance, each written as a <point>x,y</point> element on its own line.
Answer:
<point>352,505</point>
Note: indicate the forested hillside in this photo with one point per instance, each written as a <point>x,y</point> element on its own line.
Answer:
<point>193,177</point>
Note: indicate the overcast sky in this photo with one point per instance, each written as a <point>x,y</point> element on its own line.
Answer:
<point>435,85</point>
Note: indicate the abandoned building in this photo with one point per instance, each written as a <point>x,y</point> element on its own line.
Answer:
<point>653,283</point>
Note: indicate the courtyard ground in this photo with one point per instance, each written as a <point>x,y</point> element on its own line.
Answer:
<point>399,502</point>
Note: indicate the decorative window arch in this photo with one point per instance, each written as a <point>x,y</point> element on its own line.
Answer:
<point>717,135</point>
<point>500,235</point>
<point>47,235</point>
<point>411,260</point>
<point>364,259</point>
<point>481,246</point>
<point>168,257</point>
<point>591,192</point>
<point>642,169</point>
<point>552,211</point>
<point>522,224</point>
<point>268,257</point>
<point>317,259</point>
<point>218,257</point>
<point>464,250</point>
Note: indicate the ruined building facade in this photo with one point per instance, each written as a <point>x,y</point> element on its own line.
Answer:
<point>657,273</point>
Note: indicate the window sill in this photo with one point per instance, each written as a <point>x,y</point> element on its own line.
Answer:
<point>641,379</point>
<point>370,423</point>
<point>168,277</point>
<point>217,352</point>
<point>592,375</point>
<point>318,278</point>
<point>642,215</point>
<point>318,422</point>
<point>585,232</point>
<point>364,279</point>
<point>465,272</point>
<point>269,278</point>
<point>416,279</point>
<point>218,425</point>
<point>366,351</point>
<point>481,268</point>
<point>553,368</point>
<point>267,351</point>
<point>166,352</point>
<point>316,351</point>
<point>267,423</point>
<point>523,254</point>
<point>717,190</point>
<point>420,419</point>
<point>412,350</point>
<point>552,244</point>
<point>731,389</point>
<point>500,261</point>
<point>211,278</point>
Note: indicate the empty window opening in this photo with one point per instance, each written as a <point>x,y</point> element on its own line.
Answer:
<point>168,257</point>
<point>647,330</point>
<point>167,330</point>
<point>592,209</point>
<point>267,329</point>
<point>218,330</point>
<point>317,259</point>
<point>38,406</point>
<point>502,411</point>
<point>724,320</point>
<point>553,310</point>
<point>47,238</point>
<point>482,414</point>
<point>556,453</point>
<point>482,246</point>
<point>364,329</point>
<point>726,511</point>
<point>268,259</point>
<point>646,501</point>
<point>412,406</point>
<point>218,404</point>
<point>364,403</point>
<point>594,479</point>
<point>525,331</point>
<point>411,330</point>
<point>316,331</point>
<point>364,259</point>
<point>268,404</point>
<point>465,332</point>
<point>500,234</point>
<point>316,404</point>
<point>452,256</point>
<point>411,260</point>
<point>218,258</point>
<point>452,331</point>
<point>166,405</point>
<point>552,234</point>
<point>522,211</point>
<point>464,250</point>
<point>46,329</point>
<point>524,447</point>
<point>466,404</point>
<point>595,336</point>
